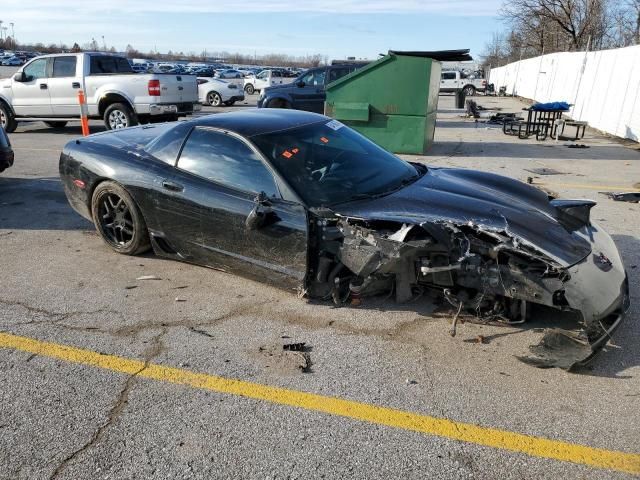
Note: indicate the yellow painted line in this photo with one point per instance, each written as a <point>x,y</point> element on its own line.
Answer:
<point>441,427</point>
<point>581,186</point>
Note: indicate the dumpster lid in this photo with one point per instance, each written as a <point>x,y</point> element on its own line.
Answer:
<point>440,55</point>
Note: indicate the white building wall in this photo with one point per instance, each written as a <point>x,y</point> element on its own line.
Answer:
<point>603,86</point>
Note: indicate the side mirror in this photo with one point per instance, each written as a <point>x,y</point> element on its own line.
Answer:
<point>257,218</point>
<point>20,77</point>
<point>300,84</point>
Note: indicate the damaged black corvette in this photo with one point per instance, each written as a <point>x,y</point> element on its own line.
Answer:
<point>300,200</point>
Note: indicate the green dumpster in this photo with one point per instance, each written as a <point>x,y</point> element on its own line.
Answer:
<point>392,101</point>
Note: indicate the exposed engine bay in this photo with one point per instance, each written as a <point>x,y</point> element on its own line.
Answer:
<point>481,272</point>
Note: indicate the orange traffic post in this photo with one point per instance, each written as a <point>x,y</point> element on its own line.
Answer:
<point>84,121</point>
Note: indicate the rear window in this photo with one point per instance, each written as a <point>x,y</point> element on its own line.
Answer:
<point>107,64</point>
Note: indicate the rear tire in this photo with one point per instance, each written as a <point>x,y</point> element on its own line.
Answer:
<point>7,119</point>
<point>118,219</point>
<point>214,99</point>
<point>278,103</point>
<point>119,115</point>
<point>60,124</point>
<point>469,90</point>
<point>249,89</point>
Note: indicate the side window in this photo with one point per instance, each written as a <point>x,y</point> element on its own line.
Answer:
<point>449,76</point>
<point>336,73</point>
<point>64,67</point>
<point>263,74</point>
<point>226,160</point>
<point>36,69</point>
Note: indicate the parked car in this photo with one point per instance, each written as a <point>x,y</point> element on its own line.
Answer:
<point>230,73</point>
<point>216,92</point>
<point>264,79</point>
<point>6,152</point>
<point>47,87</point>
<point>301,201</point>
<point>453,81</point>
<point>306,92</point>
<point>12,61</point>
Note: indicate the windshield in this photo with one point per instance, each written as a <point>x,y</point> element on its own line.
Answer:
<point>327,163</point>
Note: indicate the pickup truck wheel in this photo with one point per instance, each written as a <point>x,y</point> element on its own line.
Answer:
<point>7,120</point>
<point>56,124</point>
<point>118,219</point>
<point>119,115</point>
<point>278,103</point>
<point>249,89</point>
<point>214,99</point>
<point>469,90</point>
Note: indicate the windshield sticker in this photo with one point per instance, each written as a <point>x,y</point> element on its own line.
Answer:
<point>324,139</point>
<point>287,154</point>
<point>334,125</point>
<point>295,150</point>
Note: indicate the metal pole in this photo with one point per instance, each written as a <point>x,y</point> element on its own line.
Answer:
<point>535,92</point>
<point>584,66</point>
<point>513,90</point>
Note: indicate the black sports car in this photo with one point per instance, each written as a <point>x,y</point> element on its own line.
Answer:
<point>6,152</point>
<point>300,200</point>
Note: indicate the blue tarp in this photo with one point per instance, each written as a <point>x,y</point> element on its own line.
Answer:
<point>551,106</point>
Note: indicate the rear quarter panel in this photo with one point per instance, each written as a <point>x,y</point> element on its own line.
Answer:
<point>95,160</point>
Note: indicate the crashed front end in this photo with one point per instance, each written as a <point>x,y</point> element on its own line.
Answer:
<point>485,269</point>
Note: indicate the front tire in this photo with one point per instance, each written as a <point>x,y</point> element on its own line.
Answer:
<point>118,219</point>
<point>119,115</point>
<point>214,99</point>
<point>250,89</point>
<point>56,124</point>
<point>7,120</point>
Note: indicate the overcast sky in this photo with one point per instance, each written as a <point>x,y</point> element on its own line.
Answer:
<point>337,28</point>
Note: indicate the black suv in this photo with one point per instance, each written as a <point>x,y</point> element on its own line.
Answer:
<point>307,92</point>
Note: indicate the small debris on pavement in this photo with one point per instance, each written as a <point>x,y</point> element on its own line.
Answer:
<point>411,382</point>
<point>130,287</point>
<point>148,277</point>
<point>544,171</point>
<point>178,299</point>
<point>294,347</point>
<point>632,197</point>
<point>578,145</point>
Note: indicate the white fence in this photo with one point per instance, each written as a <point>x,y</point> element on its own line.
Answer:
<point>604,86</point>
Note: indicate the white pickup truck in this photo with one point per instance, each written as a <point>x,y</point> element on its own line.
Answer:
<point>47,88</point>
<point>454,80</point>
<point>266,78</point>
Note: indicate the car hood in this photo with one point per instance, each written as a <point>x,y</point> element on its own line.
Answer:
<point>274,88</point>
<point>484,201</point>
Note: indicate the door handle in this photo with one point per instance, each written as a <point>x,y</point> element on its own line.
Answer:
<point>174,187</point>
<point>75,85</point>
<point>43,86</point>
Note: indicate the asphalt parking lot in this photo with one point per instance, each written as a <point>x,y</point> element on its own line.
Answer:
<point>184,376</point>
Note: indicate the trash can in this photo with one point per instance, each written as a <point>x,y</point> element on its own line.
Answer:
<point>460,98</point>
<point>392,101</point>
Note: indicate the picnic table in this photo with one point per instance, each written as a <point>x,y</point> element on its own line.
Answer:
<point>542,120</point>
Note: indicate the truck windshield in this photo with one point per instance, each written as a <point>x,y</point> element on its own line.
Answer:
<point>327,163</point>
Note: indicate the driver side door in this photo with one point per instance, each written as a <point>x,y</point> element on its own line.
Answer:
<point>222,176</point>
<point>31,98</point>
<point>311,95</point>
